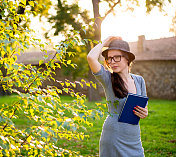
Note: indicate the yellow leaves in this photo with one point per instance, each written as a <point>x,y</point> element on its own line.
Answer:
<point>79,83</point>
<point>41,62</point>
<point>29,139</point>
<point>71,135</point>
<point>31,3</point>
<point>58,65</point>
<point>31,112</point>
<point>26,146</point>
<point>93,84</point>
<point>66,90</point>
<point>34,12</point>
<point>1,151</point>
<point>73,65</point>
<point>62,84</point>
<point>14,26</point>
<point>67,84</point>
<point>49,116</point>
<point>69,61</point>
<point>88,84</point>
<point>6,113</point>
<point>7,153</point>
<point>73,84</point>
<point>89,124</point>
<point>35,152</point>
<point>82,80</point>
<point>10,4</point>
<point>23,2</point>
<point>81,101</point>
<point>59,91</point>
<point>27,72</point>
<point>89,112</point>
<point>16,18</point>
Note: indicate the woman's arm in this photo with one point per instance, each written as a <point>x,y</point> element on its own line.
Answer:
<point>93,55</point>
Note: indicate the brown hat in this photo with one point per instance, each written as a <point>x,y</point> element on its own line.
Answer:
<point>119,45</point>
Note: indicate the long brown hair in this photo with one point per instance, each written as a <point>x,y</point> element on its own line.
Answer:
<point>118,84</point>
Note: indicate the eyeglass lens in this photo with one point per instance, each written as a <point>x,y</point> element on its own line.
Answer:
<point>115,58</point>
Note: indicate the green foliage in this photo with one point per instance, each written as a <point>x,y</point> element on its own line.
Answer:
<point>70,16</point>
<point>48,118</point>
<point>79,58</point>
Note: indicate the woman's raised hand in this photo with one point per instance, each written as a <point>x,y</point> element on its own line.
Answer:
<point>107,41</point>
<point>93,55</point>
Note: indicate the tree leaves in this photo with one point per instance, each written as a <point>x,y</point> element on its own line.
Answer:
<point>49,119</point>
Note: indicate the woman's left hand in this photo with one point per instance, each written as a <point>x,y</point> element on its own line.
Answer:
<point>141,112</point>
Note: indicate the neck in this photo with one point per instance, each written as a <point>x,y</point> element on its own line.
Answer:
<point>125,75</point>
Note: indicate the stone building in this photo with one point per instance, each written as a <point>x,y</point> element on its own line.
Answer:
<point>156,62</point>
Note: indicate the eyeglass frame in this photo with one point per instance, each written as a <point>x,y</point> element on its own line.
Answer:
<point>114,59</point>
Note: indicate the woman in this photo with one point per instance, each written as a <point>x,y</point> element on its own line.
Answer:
<point>118,139</point>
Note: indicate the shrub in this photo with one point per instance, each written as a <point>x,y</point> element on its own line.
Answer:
<point>48,118</point>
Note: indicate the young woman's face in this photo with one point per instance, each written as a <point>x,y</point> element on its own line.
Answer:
<point>117,61</point>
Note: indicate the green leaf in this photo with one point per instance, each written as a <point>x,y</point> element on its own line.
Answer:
<point>15,67</point>
<point>39,98</point>
<point>7,65</point>
<point>58,123</point>
<point>41,62</point>
<point>45,57</point>
<point>44,134</point>
<point>95,41</point>
<point>81,114</point>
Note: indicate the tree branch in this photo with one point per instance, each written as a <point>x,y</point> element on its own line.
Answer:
<point>10,118</point>
<point>110,10</point>
<point>25,139</point>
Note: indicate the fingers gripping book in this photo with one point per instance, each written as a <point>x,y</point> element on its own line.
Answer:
<point>126,115</point>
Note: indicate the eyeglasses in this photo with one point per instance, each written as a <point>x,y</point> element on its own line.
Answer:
<point>116,58</point>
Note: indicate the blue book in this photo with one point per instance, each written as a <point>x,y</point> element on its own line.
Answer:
<point>127,115</point>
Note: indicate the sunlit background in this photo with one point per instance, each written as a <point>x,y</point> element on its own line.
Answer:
<point>125,23</point>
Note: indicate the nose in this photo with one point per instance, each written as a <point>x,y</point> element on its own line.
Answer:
<point>112,61</point>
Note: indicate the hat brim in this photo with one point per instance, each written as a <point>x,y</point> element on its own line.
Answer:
<point>130,54</point>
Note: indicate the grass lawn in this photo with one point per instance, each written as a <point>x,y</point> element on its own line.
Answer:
<point>158,130</point>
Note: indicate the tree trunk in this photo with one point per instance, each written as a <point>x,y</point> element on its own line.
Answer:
<point>93,94</point>
<point>98,21</point>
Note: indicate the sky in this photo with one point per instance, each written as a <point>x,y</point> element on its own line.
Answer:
<point>129,25</point>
